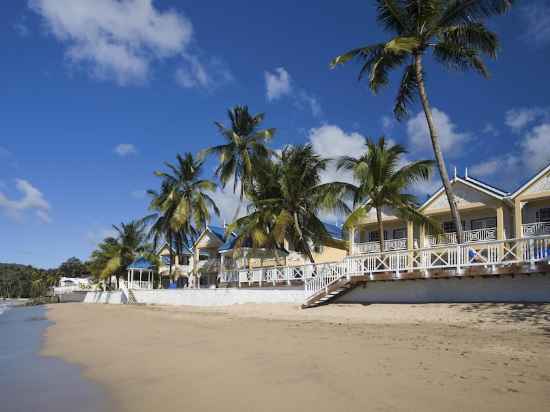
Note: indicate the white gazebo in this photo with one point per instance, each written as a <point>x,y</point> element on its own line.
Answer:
<point>140,267</point>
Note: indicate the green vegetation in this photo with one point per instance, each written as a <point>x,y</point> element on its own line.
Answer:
<point>25,281</point>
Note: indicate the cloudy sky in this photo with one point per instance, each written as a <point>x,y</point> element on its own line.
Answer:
<point>97,94</point>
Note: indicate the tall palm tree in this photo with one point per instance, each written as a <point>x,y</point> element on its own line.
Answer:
<point>286,198</point>
<point>453,31</point>
<point>382,183</point>
<point>185,199</point>
<point>244,143</point>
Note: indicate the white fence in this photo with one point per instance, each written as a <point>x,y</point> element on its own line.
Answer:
<point>373,247</point>
<point>479,235</point>
<point>536,229</point>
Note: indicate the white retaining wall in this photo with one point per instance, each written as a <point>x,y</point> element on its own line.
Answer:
<point>520,288</point>
<point>203,297</point>
<point>114,298</point>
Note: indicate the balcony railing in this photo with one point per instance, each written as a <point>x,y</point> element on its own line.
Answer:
<point>165,269</point>
<point>209,265</point>
<point>535,229</point>
<point>374,247</point>
<point>478,235</point>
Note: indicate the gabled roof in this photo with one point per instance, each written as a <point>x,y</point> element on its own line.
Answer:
<point>140,263</point>
<point>470,182</point>
<point>525,185</point>
<point>231,241</point>
<point>185,249</point>
<point>217,231</point>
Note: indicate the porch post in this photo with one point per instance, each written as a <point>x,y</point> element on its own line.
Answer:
<point>422,239</point>
<point>410,243</point>
<point>518,206</point>
<point>140,281</point>
<point>500,230</point>
<point>351,240</point>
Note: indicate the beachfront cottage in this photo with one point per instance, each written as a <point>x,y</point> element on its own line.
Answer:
<point>181,265</point>
<point>248,266</point>
<point>532,206</point>
<point>206,257</point>
<point>485,211</point>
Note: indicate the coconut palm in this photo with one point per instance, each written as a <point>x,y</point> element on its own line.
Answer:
<point>245,143</point>
<point>184,201</point>
<point>286,198</point>
<point>455,34</point>
<point>381,183</point>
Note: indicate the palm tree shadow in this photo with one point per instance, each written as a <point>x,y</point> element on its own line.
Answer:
<point>536,314</point>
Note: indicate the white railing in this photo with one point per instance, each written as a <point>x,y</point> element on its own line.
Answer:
<point>374,247</point>
<point>478,235</point>
<point>535,229</point>
<point>488,254</point>
<point>175,269</point>
<point>136,284</point>
<point>209,264</point>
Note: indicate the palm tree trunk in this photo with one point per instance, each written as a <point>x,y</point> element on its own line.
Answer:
<point>437,148</point>
<point>305,246</point>
<point>380,229</point>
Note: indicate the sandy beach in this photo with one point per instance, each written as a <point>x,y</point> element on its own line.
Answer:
<point>334,358</point>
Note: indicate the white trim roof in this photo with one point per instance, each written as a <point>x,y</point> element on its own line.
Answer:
<point>474,184</point>
<point>530,181</point>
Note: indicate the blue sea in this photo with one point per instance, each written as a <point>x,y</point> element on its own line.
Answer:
<point>30,382</point>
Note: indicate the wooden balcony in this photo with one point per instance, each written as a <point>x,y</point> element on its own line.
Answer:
<point>479,235</point>
<point>535,229</point>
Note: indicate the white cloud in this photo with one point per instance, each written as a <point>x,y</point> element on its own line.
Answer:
<point>536,147</point>
<point>125,149</point>
<point>518,119</point>
<point>229,202</point>
<point>116,38</point>
<point>32,200</point>
<point>450,139</point>
<point>194,73</point>
<point>489,128</point>
<point>388,123</point>
<point>333,142</point>
<point>537,18</point>
<point>304,99</point>
<point>277,83</point>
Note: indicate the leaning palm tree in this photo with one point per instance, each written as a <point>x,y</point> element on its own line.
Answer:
<point>381,183</point>
<point>286,199</point>
<point>184,204</point>
<point>244,144</point>
<point>452,30</point>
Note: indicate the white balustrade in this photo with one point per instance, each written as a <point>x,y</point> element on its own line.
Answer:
<point>535,229</point>
<point>478,235</point>
<point>374,247</point>
<point>316,277</point>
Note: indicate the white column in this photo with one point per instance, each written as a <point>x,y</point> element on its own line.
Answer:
<point>140,273</point>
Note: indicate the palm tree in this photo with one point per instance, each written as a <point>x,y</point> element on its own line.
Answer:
<point>286,198</point>
<point>184,204</point>
<point>382,182</point>
<point>453,31</point>
<point>114,254</point>
<point>245,144</point>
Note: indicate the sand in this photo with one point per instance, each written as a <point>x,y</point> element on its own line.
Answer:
<point>334,358</point>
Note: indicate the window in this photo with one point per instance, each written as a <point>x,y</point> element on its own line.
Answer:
<point>484,223</point>
<point>543,215</point>
<point>400,233</point>
<point>449,227</point>
<point>375,236</point>
<point>165,260</point>
<point>318,249</point>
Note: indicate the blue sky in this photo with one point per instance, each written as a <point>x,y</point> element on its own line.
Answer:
<point>96,95</point>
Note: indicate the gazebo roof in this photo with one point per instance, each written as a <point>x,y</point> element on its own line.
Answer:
<point>141,264</point>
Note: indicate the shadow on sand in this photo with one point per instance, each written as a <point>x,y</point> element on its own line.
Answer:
<point>537,314</point>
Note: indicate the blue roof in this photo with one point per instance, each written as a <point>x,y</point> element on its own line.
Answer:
<point>231,241</point>
<point>218,231</point>
<point>141,263</point>
<point>334,231</point>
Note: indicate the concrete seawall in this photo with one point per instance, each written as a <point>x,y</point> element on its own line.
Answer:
<point>518,288</point>
<point>203,297</point>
